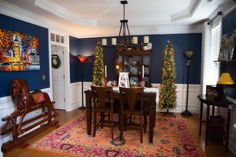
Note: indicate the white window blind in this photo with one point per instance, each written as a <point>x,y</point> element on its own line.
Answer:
<point>215,49</point>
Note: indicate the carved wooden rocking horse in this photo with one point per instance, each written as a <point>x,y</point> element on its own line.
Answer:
<point>27,102</point>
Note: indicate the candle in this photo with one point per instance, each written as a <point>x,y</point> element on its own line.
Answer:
<point>113,41</point>
<point>104,41</point>
<point>105,71</point>
<point>146,39</point>
<point>135,40</point>
<point>143,72</point>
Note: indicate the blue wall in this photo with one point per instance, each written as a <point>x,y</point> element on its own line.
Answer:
<point>83,47</point>
<point>229,22</point>
<point>34,78</point>
<point>181,43</point>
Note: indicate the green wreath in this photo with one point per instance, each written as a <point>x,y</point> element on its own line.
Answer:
<point>56,62</point>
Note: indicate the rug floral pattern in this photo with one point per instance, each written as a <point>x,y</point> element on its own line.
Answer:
<point>172,138</point>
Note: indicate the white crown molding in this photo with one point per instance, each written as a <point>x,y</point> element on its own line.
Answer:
<point>152,28</point>
<point>17,12</point>
<point>30,17</point>
<point>187,12</point>
<point>63,13</point>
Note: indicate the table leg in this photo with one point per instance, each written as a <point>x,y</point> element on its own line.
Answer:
<point>227,129</point>
<point>213,110</point>
<point>88,112</point>
<point>200,119</point>
<point>152,111</point>
<point>121,121</point>
<point>207,123</point>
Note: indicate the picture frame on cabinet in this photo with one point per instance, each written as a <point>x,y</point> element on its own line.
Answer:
<point>124,80</point>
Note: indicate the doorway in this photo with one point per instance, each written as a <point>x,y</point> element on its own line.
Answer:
<point>58,78</point>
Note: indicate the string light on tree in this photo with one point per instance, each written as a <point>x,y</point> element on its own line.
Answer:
<point>167,97</point>
<point>98,66</point>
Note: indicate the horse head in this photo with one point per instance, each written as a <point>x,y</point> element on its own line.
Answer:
<point>19,91</point>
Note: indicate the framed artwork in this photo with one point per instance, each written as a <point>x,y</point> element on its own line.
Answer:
<point>227,48</point>
<point>18,51</point>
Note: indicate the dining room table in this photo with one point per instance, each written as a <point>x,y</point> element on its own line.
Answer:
<point>150,99</point>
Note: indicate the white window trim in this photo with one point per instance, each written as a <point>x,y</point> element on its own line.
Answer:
<point>207,58</point>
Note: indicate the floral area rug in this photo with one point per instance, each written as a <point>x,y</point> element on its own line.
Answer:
<point>172,138</point>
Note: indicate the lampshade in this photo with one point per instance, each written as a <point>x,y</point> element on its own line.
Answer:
<point>225,79</point>
<point>82,59</point>
<point>188,54</point>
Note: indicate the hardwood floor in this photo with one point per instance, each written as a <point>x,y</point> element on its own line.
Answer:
<point>212,150</point>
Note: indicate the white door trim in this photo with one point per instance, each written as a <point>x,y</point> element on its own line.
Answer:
<point>66,64</point>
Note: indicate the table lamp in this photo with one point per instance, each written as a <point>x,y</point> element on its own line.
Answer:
<point>225,80</point>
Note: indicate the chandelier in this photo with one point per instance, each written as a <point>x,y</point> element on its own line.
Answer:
<point>124,40</point>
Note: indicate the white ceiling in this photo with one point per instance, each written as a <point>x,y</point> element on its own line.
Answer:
<point>102,17</point>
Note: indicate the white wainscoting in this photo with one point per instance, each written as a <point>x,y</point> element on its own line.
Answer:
<point>193,102</point>
<point>7,107</point>
<point>76,96</point>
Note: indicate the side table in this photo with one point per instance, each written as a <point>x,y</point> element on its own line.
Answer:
<point>219,103</point>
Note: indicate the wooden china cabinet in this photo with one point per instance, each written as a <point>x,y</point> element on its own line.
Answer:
<point>132,60</point>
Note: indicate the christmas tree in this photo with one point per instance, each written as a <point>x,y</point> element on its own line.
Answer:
<point>98,66</point>
<point>167,96</point>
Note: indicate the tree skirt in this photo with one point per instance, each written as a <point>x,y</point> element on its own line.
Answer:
<point>172,137</point>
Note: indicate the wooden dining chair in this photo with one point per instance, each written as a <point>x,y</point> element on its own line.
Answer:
<point>103,100</point>
<point>131,100</point>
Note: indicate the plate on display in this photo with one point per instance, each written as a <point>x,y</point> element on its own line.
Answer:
<point>133,70</point>
<point>119,59</point>
<point>146,79</point>
<point>146,60</point>
<point>134,60</point>
<point>134,81</point>
<point>146,70</point>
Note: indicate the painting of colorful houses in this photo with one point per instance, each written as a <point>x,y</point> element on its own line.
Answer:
<point>18,51</point>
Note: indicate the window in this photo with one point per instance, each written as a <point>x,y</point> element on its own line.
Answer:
<point>59,39</point>
<point>210,52</point>
<point>215,49</point>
